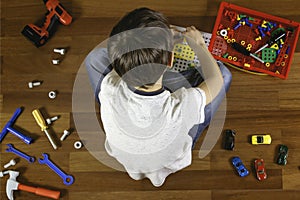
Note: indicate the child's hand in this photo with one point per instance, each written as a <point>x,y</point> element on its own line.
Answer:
<point>195,34</point>
<point>177,28</point>
<point>177,32</point>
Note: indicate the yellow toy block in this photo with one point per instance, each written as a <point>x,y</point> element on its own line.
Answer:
<point>184,51</point>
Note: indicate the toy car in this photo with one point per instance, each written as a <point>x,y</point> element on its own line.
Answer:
<point>261,139</point>
<point>282,155</point>
<point>239,166</point>
<point>260,169</point>
<point>229,139</point>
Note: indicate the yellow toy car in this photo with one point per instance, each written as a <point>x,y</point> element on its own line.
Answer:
<point>261,139</point>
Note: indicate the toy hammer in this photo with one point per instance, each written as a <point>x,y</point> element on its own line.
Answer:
<point>12,185</point>
<point>9,128</point>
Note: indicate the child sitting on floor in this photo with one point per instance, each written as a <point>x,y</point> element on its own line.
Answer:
<point>150,129</point>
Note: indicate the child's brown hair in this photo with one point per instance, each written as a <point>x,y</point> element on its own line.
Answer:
<point>141,42</point>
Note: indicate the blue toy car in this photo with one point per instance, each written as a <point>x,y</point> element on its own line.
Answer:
<point>239,166</point>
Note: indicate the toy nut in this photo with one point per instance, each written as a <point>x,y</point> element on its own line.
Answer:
<point>52,94</point>
<point>78,145</point>
<point>55,61</point>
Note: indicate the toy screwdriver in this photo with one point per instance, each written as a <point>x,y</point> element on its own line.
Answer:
<point>41,122</point>
<point>238,47</point>
<point>270,42</point>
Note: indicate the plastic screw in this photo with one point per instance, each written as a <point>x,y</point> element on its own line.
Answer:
<point>34,84</point>
<point>60,51</point>
<point>65,134</point>
<point>12,162</point>
<point>52,119</point>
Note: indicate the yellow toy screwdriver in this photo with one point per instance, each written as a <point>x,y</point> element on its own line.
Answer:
<point>41,122</point>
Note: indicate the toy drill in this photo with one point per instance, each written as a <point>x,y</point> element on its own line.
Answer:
<point>56,13</point>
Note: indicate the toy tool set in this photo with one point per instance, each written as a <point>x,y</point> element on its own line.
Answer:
<point>12,184</point>
<point>253,40</point>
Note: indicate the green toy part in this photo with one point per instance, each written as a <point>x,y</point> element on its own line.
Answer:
<point>269,55</point>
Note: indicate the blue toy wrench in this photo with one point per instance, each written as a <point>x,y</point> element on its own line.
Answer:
<point>68,179</point>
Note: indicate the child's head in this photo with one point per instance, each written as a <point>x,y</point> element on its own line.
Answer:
<point>140,39</point>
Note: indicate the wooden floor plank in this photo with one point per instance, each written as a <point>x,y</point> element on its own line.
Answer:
<point>139,195</point>
<point>258,194</point>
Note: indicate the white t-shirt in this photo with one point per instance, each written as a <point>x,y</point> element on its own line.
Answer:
<point>148,134</point>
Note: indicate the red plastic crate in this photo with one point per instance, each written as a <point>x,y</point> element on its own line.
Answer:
<point>232,18</point>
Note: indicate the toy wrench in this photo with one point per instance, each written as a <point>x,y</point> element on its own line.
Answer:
<point>11,149</point>
<point>68,179</point>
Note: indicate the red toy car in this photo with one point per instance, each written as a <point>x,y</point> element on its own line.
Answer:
<point>260,169</point>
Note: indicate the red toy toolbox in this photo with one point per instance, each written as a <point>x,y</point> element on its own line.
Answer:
<point>240,31</point>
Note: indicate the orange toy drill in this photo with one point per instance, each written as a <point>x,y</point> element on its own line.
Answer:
<point>56,13</point>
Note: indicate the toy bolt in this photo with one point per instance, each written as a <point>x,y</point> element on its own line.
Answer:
<point>60,51</point>
<point>34,84</point>
<point>52,119</point>
<point>12,162</point>
<point>55,61</point>
<point>3,173</point>
<point>65,134</point>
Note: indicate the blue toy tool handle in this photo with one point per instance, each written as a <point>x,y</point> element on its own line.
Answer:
<point>8,128</point>
<point>10,122</point>
<point>26,139</point>
<point>2,135</point>
<point>16,115</point>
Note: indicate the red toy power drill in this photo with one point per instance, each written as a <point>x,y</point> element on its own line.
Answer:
<point>56,13</point>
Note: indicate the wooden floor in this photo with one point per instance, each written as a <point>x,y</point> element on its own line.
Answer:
<point>256,104</point>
